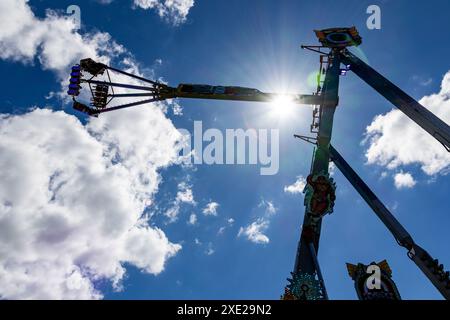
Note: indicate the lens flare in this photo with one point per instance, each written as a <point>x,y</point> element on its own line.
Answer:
<point>282,105</point>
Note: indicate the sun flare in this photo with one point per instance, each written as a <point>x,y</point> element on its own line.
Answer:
<point>282,105</point>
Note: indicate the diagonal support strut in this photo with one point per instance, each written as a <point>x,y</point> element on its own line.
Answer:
<point>409,106</point>
<point>429,266</point>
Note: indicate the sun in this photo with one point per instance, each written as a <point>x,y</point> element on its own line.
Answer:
<point>282,106</point>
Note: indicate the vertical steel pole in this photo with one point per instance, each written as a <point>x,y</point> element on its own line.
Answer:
<point>304,261</point>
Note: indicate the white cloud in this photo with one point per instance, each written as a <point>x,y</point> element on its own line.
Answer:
<point>209,250</point>
<point>174,11</point>
<point>53,40</point>
<point>268,206</point>
<point>211,209</point>
<point>395,140</point>
<point>422,81</point>
<point>222,229</point>
<point>72,196</point>
<point>254,231</point>
<point>393,207</point>
<point>172,213</point>
<point>297,186</point>
<point>331,169</point>
<point>404,180</point>
<point>184,196</point>
<point>192,219</point>
<point>177,109</point>
<point>185,193</point>
<point>69,213</point>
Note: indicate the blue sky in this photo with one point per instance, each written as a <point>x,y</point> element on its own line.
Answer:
<point>257,44</point>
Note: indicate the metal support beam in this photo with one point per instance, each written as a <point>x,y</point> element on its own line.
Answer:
<point>397,230</point>
<point>121,85</point>
<point>414,110</point>
<point>130,95</point>
<point>123,106</point>
<point>256,97</point>
<point>304,261</point>
<point>134,76</point>
<point>319,272</point>
<point>430,267</point>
